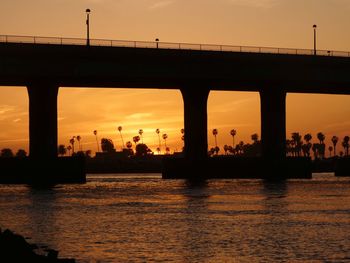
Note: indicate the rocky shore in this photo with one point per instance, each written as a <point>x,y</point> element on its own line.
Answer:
<point>14,248</point>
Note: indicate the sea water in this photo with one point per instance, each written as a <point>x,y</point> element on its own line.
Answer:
<point>143,218</point>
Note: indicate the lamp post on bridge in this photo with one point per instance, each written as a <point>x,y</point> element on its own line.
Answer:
<point>88,26</point>
<point>315,27</point>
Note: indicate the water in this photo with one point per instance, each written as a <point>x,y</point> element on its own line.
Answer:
<point>139,218</point>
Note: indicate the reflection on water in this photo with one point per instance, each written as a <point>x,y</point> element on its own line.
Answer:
<point>144,218</point>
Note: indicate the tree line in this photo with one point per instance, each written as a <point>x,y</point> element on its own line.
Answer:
<point>296,146</point>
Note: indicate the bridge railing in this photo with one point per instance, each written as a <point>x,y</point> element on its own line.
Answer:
<point>167,45</point>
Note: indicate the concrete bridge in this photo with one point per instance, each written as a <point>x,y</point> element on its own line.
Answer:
<point>45,64</point>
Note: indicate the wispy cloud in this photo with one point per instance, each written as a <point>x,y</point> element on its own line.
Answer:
<point>6,108</point>
<point>256,3</point>
<point>139,115</point>
<point>161,4</point>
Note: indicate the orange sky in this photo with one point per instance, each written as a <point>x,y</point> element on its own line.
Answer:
<point>277,23</point>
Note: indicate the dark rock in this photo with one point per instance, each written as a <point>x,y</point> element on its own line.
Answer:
<point>14,248</point>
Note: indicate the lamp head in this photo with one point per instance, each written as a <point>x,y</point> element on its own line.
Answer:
<point>88,11</point>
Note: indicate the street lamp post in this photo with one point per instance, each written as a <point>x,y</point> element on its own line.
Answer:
<point>88,26</point>
<point>315,27</point>
<point>157,41</point>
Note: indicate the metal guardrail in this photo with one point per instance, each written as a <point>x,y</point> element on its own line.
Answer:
<point>167,45</point>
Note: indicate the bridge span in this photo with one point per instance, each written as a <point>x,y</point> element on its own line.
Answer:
<point>44,65</point>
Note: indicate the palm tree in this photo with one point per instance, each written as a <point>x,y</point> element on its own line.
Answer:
<point>240,147</point>
<point>226,148</point>
<point>158,132</point>
<point>165,136</point>
<point>62,149</point>
<point>141,132</point>
<point>346,145</point>
<point>21,153</point>
<point>129,147</point>
<point>7,153</point>
<point>330,149</point>
<point>128,144</point>
<point>307,138</point>
<point>121,136</point>
<point>296,137</point>
<point>78,139</point>
<point>69,148</point>
<point>233,133</point>
<point>215,133</point>
<point>335,140</point>
<point>136,139</point>
<point>217,149</point>
<point>255,138</point>
<point>98,146</point>
<point>321,150</point>
<point>315,147</point>
<point>183,137</point>
<point>321,137</point>
<point>72,141</point>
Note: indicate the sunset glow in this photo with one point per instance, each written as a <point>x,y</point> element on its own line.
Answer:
<point>233,22</point>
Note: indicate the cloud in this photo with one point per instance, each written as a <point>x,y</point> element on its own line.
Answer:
<point>256,3</point>
<point>161,4</point>
<point>6,108</point>
<point>139,115</point>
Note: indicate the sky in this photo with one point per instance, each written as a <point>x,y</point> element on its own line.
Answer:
<point>270,23</point>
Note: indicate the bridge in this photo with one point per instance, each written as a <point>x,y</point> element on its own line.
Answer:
<point>44,65</point>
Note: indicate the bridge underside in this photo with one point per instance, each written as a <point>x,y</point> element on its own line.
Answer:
<point>43,69</point>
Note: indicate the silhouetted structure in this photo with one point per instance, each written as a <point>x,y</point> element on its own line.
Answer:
<point>45,68</point>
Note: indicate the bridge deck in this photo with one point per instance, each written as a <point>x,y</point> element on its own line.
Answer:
<point>167,45</point>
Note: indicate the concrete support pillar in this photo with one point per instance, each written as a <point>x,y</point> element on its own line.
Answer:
<point>273,123</point>
<point>43,120</point>
<point>195,113</point>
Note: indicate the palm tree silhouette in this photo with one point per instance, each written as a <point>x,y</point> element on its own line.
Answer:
<point>183,137</point>
<point>321,147</point>
<point>136,139</point>
<point>345,144</point>
<point>98,146</point>
<point>255,138</point>
<point>335,140</point>
<point>165,136</point>
<point>226,148</point>
<point>62,150</point>
<point>215,133</point>
<point>330,149</point>
<point>233,133</point>
<point>296,137</point>
<point>158,132</point>
<point>69,148</point>
<point>121,136</point>
<point>78,139</point>
<point>141,132</point>
<point>321,137</point>
<point>307,138</point>
<point>315,147</point>
<point>72,141</point>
